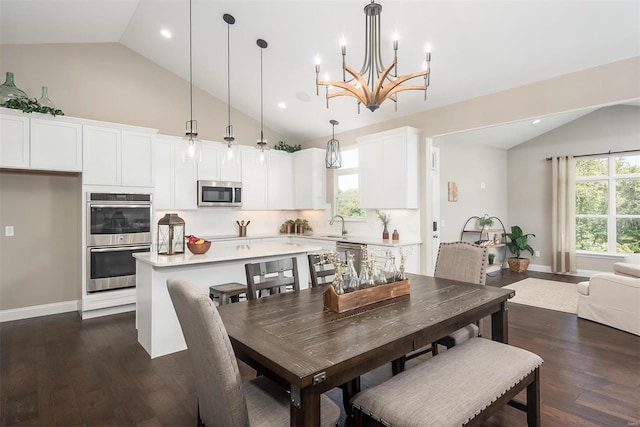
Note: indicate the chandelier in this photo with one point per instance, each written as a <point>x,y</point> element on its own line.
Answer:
<point>374,84</point>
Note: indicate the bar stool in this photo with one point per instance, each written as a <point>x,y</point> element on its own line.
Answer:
<point>227,292</point>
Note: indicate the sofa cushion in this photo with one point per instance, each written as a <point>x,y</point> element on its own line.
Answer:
<point>629,269</point>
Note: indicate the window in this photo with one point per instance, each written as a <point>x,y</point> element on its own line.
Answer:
<point>345,187</point>
<point>608,204</point>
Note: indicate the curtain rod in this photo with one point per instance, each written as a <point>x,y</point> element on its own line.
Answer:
<point>600,154</point>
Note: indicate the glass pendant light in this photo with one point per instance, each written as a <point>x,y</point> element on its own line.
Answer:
<point>232,154</point>
<point>262,143</point>
<point>333,158</point>
<point>192,149</point>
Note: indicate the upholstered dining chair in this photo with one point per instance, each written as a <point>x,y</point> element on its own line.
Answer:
<point>321,271</point>
<point>223,399</point>
<point>463,262</point>
<point>275,276</point>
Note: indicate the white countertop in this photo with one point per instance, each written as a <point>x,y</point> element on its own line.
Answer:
<point>350,239</point>
<point>225,253</point>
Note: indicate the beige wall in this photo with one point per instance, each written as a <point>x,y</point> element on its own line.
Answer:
<point>109,82</point>
<point>41,264</point>
<point>529,174</point>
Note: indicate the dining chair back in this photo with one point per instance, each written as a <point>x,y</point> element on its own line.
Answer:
<point>462,261</point>
<point>218,382</point>
<point>275,276</point>
<point>321,271</point>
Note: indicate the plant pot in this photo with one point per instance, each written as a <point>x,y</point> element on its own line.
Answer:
<point>518,265</point>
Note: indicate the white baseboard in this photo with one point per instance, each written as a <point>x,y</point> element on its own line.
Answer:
<point>38,310</point>
<point>107,311</point>
<point>547,269</point>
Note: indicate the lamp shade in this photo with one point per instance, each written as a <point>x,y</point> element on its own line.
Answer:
<point>333,158</point>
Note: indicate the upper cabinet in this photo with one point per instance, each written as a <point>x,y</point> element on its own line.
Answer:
<point>309,179</point>
<point>115,156</point>
<point>175,179</point>
<point>388,164</point>
<point>40,143</point>
<point>254,179</point>
<point>279,180</point>
<point>217,164</point>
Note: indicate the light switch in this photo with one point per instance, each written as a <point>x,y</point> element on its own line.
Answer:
<point>8,230</point>
<point>483,185</point>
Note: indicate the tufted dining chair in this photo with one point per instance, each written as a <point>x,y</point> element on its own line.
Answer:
<point>463,262</point>
<point>223,399</point>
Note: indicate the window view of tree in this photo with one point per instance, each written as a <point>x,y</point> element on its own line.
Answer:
<point>346,187</point>
<point>608,204</point>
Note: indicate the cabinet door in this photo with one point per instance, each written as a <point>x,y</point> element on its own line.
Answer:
<point>56,145</point>
<point>309,179</point>
<point>370,179</point>
<point>254,180</point>
<point>136,159</point>
<point>163,171</point>
<point>230,164</point>
<point>185,179</point>
<point>280,181</point>
<point>209,165</point>
<point>14,141</point>
<point>101,155</point>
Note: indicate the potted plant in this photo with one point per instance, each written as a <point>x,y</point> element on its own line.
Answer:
<point>518,244</point>
<point>384,218</point>
<point>302,225</point>
<point>288,226</point>
<point>485,221</point>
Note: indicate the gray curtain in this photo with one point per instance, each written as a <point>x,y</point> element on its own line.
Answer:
<point>563,215</point>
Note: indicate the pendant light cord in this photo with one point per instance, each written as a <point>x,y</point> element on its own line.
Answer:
<point>228,79</point>
<point>261,102</point>
<point>190,70</point>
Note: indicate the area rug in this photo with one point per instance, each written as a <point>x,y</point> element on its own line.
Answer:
<point>549,294</point>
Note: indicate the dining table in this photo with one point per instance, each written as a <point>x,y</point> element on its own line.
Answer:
<point>294,340</point>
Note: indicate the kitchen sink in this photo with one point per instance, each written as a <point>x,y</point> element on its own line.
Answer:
<point>335,236</point>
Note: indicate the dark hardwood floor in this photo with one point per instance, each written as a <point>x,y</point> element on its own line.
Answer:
<point>60,370</point>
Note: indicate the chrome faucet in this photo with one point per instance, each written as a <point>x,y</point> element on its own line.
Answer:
<point>344,230</point>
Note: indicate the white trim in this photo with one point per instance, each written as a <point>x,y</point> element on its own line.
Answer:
<point>108,311</point>
<point>547,269</point>
<point>600,255</point>
<point>38,310</point>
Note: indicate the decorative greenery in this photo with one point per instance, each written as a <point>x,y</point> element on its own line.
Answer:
<point>485,221</point>
<point>305,224</point>
<point>30,105</point>
<point>518,241</point>
<point>283,227</point>
<point>384,217</point>
<point>283,146</point>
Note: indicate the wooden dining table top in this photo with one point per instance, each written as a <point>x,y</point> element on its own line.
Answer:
<point>292,337</point>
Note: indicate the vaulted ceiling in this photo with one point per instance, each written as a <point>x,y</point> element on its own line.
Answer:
<point>479,47</point>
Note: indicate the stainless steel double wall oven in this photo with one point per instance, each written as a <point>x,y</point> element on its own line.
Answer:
<point>118,225</point>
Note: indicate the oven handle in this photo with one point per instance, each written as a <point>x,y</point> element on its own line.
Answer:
<point>93,205</point>
<point>119,248</point>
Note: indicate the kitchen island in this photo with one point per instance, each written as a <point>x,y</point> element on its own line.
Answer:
<point>158,328</point>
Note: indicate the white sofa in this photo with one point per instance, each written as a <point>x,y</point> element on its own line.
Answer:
<point>630,267</point>
<point>611,299</point>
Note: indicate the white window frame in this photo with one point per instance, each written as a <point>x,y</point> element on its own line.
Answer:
<point>611,216</point>
<point>336,174</point>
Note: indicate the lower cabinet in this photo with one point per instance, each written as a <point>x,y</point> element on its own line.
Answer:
<point>176,184</point>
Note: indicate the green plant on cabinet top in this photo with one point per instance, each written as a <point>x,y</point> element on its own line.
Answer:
<point>283,146</point>
<point>31,105</point>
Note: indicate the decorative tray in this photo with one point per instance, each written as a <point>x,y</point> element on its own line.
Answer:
<point>363,297</point>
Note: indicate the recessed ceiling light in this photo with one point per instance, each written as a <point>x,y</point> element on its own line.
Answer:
<point>536,121</point>
<point>166,34</point>
<point>282,105</point>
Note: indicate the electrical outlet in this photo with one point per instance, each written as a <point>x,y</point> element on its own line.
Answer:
<point>537,253</point>
<point>9,231</point>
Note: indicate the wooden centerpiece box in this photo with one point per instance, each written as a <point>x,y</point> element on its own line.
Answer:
<point>363,297</point>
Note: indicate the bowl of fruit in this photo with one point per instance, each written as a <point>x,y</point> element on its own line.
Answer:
<point>197,245</point>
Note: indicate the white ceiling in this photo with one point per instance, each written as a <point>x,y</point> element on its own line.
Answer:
<point>479,47</point>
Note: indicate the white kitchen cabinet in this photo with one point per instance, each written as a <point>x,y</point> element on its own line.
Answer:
<point>56,145</point>
<point>254,179</point>
<point>113,156</point>
<point>280,180</point>
<point>40,144</point>
<point>388,164</point>
<point>14,141</point>
<point>216,165</point>
<point>309,179</point>
<point>175,179</point>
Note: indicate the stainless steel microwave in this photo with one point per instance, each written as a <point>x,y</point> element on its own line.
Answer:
<point>219,193</point>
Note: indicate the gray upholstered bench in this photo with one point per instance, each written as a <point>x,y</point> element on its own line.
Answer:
<point>463,386</point>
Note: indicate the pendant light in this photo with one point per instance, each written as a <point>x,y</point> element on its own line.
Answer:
<point>333,158</point>
<point>192,148</point>
<point>232,144</point>
<point>262,143</point>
